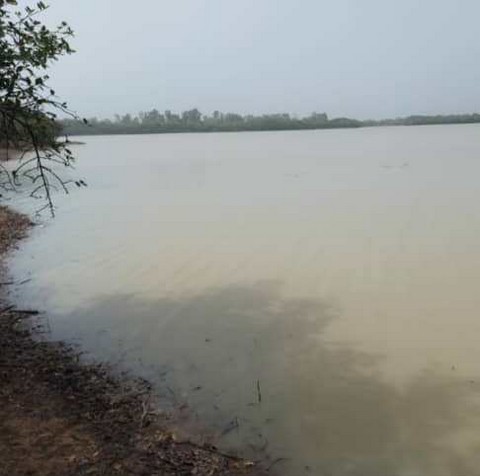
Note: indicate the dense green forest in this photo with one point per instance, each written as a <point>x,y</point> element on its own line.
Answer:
<point>194,121</point>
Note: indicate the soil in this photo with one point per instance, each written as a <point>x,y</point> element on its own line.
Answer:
<point>62,416</point>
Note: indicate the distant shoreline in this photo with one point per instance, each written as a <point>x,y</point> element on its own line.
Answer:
<point>154,122</point>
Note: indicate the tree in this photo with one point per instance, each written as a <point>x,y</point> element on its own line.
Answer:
<point>192,117</point>
<point>28,106</point>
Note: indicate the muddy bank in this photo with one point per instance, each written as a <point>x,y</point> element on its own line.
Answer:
<point>60,416</point>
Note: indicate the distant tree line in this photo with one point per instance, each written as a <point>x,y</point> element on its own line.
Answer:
<point>194,121</point>
<point>426,120</point>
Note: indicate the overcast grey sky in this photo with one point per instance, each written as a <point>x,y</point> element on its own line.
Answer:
<point>362,58</point>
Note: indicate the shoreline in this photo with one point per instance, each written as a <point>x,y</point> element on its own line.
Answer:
<point>60,416</point>
<point>264,123</point>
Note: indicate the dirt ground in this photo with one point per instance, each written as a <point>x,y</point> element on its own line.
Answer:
<point>59,416</point>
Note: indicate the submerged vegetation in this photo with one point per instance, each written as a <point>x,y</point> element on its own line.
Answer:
<point>193,120</point>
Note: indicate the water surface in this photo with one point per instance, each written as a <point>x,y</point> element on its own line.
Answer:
<point>312,295</point>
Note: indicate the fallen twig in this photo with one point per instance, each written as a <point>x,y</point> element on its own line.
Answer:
<point>276,461</point>
<point>145,410</point>
<point>259,392</point>
<point>8,308</point>
<point>232,425</point>
<point>27,312</point>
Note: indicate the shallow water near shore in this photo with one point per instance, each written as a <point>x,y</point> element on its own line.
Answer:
<point>310,296</point>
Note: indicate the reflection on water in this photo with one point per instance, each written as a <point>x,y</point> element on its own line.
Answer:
<point>307,295</point>
<point>322,405</point>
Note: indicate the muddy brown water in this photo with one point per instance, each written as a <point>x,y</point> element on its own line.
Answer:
<point>313,296</point>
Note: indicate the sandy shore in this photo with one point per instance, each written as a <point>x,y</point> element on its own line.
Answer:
<point>59,416</point>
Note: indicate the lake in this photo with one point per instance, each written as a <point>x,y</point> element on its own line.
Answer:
<point>310,297</point>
